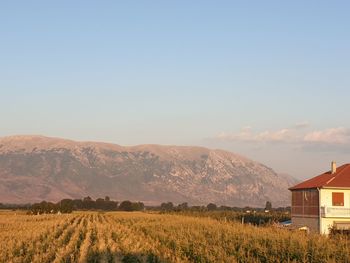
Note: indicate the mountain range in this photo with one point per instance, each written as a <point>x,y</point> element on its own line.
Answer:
<point>36,168</point>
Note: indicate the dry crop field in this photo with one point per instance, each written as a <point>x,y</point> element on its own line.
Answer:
<point>145,237</point>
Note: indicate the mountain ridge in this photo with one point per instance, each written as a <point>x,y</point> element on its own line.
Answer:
<point>33,168</point>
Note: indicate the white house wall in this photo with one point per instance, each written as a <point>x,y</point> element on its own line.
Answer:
<point>326,197</point>
<point>327,220</point>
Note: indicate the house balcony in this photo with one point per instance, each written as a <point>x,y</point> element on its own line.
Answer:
<point>335,212</point>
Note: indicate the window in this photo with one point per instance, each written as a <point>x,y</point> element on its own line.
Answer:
<point>338,199</point>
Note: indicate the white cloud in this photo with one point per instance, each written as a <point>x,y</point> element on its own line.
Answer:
<point>340,136</point>
<point>299,137</point>
<point>284,135</point>
<point>247,135</point>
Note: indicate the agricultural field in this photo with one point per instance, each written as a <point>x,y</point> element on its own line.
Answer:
<point>153,237</point>
<point>255,217</point>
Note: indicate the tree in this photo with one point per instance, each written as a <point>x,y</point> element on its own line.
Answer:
<point>87,199</point>
<point>36,209</point>
<point>211,207</point>
<point>131,206</point>
<point>198,208</point>
<point>183,206</point>
<point>138,206</point>
<point>169,206</point>
<point>88,203</point>
<point>66,206</point>
<point>78,204</point>
<point>268,205</point>
<point>111,205</point>
<point>100,204</point>
<point>44,208</point>
<point>125,206</point>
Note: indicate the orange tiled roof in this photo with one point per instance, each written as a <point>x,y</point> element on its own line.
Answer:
<point>339,179</point>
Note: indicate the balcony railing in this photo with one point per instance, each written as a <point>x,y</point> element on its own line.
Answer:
<point>335,212</point>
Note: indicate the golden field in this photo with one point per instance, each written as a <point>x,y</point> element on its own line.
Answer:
<point>147,237</point>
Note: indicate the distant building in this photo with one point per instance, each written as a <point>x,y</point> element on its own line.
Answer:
<point>323,202</point>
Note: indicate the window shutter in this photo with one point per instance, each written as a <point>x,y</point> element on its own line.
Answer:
<point>338,199</point>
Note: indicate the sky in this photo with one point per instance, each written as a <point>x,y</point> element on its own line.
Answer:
<point>266,79</point>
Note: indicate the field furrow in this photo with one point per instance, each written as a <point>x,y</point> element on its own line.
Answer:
<point>146,238</point>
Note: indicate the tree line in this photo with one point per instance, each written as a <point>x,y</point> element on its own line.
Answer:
<point>87,203</point>
<point>106,204</point>
<point>170,207</point>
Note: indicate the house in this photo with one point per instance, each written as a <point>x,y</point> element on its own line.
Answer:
<point>323,202</point>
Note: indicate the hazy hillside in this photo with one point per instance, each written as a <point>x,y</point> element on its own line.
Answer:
<point>34,168</point>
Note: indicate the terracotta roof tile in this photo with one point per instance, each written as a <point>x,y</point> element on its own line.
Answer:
<point>339,179</point>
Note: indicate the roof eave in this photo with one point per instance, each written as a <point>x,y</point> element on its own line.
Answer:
<point>336,187</point>
<point>303,188</point>
<point>320,187</point>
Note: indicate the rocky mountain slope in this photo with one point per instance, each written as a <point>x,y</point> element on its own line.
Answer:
<point>35,168</point>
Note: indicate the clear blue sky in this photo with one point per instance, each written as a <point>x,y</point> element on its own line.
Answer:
<point>182,72</point>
